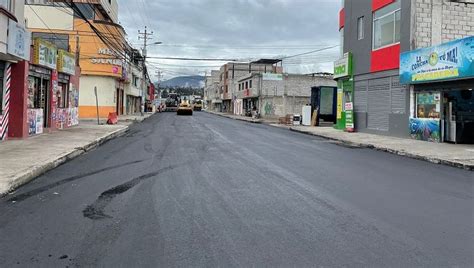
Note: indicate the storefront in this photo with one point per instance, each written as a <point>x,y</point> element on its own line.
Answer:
<point>442,97</point>
<point>345,93</point>
<point>42,83</point>
<point>66,93</point>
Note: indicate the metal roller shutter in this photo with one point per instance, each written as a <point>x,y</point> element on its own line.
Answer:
<point>360,96</point>
<point>398,96</point>
<point>378,104</point>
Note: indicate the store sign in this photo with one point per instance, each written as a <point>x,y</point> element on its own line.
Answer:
<point>349,107</point>
<point>272,77</point>
<point>19,40</point>
<point>66,62</point>
<point>104,54</point>
<point>45,54</point>
<point>340,94</point>
<point>453,60</point>
<point>343,67</point>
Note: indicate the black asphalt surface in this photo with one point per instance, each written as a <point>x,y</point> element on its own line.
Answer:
<point>209,191</point>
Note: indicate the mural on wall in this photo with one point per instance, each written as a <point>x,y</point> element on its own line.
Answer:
<point>425,129</point>
<point>268,108</point>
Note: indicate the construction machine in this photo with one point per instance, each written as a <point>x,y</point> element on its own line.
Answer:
<point>185,108</point>
<point>172,102</point>
<point>197,105</point>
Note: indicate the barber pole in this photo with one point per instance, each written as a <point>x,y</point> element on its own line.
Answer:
<point>6,109</point>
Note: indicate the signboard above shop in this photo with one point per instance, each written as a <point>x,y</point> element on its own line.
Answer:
<point>66,62</point>
<point>19,40</point>
<point>343,67</point>
<point>45,54</point>
<point>449,61</point>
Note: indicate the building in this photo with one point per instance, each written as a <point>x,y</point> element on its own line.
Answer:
<point>212,98</point>
<point>229,74</point>
<point>15,43</point>
<point>374,34</point>
<point>276,95</point>
<point>92,31</point>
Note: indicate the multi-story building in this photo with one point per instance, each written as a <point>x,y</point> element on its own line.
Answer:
<point>92,31</point>
<point>231,72</point>
<point>406,69</point>
<point>212,98</point>
<point>15,42</point>
<point>276,95</point>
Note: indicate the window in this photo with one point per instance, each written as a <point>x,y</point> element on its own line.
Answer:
<point>6,4</point>
<point>428,105</point>
<point>250,84</point>
<point>86,9</point>
<point>360,28</point>
<point>387,25</point>
<point>247,85</point>
<point>240,87</point>
<point>59,40</point>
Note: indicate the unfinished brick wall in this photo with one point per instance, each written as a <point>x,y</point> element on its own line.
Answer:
<point>441,21</point>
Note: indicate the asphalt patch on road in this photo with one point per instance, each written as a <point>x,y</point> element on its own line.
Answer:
<point>95,211</point>
<point>24,196</point>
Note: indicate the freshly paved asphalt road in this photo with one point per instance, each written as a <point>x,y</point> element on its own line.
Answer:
<point>210,191</point>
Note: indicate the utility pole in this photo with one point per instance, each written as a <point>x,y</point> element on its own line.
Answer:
<point>145,36</point>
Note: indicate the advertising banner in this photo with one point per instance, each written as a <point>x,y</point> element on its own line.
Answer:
<point>272,77</point>
<point>66,62</point>
<point>343,67</point>
<point>449,61</point>
<point>35,121</point>
<point>45,54</point>
<point>19,40</point>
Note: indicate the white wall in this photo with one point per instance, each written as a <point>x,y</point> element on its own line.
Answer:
<point>106,90</point>
<point>53,17</point>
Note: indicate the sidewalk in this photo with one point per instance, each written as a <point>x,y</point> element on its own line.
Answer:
<point>245,118</point>
<point>24,160</point>
<point>461,156</point>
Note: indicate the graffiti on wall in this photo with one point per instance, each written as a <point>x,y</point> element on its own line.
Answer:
<point>425,129</point>
<point>67,117</point>
<point>268,108</point>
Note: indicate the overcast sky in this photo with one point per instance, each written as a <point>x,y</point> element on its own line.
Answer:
<point>236,29</point>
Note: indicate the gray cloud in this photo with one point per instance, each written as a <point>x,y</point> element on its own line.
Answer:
<point>240,29</point>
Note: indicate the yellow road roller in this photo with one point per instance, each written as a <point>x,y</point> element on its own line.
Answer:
<point>185,108</point>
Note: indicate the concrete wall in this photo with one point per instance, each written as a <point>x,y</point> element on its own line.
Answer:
<point>106,91</point>
<point>55,18</point>
<point>441,21</point>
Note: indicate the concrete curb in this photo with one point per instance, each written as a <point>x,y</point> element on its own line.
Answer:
<point>391,151</point>
<point>30,175</point>
<point>253,121</point>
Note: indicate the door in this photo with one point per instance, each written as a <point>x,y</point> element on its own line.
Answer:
<point>378,104</point>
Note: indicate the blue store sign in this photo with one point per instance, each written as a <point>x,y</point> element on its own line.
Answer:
<point>449,61</point>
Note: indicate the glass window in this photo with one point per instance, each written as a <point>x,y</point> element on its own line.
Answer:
<point>428,105</point>
<point>61,41</point>
<point>86,9</point>
<point>387,25</point>
<point>250,84</point>
<point>6,4</point>
<point>360,28</point>
<point>247,85</point>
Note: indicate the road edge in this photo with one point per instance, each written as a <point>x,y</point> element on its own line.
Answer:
<point>362,145</point>
<point>32,174</point>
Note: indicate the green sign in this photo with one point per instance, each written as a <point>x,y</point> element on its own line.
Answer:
<point>343,67</point>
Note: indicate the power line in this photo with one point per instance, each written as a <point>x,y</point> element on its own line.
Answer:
<point>191,59</point>
<point>309,52</point>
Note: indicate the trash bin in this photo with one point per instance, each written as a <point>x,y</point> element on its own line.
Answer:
<point>296,120</point>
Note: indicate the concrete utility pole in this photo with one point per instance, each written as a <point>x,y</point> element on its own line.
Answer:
<point>145,36</point>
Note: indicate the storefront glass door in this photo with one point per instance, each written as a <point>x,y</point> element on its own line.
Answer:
<point>458,114</point>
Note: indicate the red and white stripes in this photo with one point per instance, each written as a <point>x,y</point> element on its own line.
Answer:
<point>6,109</point>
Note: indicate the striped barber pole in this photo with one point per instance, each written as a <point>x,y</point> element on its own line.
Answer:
<point>6,109</point>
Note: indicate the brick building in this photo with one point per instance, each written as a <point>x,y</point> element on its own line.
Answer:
<point>376,35</point>
<point>276,95</point>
